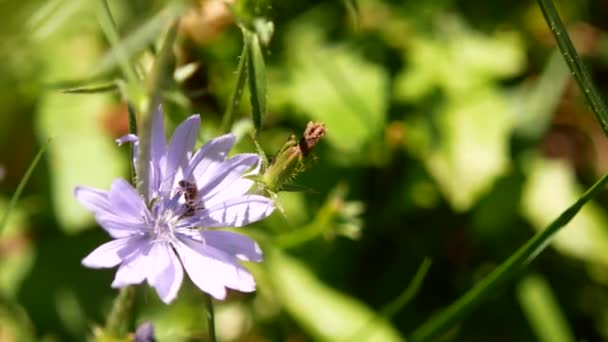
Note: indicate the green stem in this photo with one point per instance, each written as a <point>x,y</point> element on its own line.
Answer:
<point>502,273</point>
<point>575,63</point>
<point>22,184</point>
<point>119,315</point>
<point>237,92</point>
<point>210,318</point>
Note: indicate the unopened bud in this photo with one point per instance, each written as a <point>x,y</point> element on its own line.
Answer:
<point>289,161</point>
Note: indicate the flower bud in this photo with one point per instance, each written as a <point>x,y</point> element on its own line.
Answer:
<point>290,160</point>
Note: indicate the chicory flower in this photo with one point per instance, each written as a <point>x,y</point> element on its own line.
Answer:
<point>188,195</point>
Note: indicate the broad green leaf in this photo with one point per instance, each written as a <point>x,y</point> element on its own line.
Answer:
<point>81,153</point>
<point>550,188</point>
<point>326,314</point>
<point>335,85</point>
<point>542,310</point>
<point>467,132</point>
<point>256,76</point>
<point>471,150</point>
<point>461,60</point>
<point>534,106</point>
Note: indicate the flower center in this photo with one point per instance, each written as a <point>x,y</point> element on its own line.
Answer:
<point>165,215</point>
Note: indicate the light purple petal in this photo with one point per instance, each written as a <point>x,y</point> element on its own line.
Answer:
<point>182,143</point>
<point>202,270</point>
<point>118,227</point>
<point>209,157</point>
<point>235,212</point>
<point>95,200</point>
<point>228,172</point>
<point>135,269</point>
<point>126,201</point>
<point>238,245</point>
<point>236,189</point>
<point>166,274</point>
<point>206,265</point>
<point>113,253</point>
<point>132,138</point>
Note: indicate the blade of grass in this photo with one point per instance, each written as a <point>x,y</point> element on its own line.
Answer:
<point>237,92</point>
<point>103,88</point>
<point>409,293</point>
<point>140,39</point>
<point>402,300</point>
<point>583,79</point>
<point>108,25</point>
<point>517,261</point>
<point>22,183</point>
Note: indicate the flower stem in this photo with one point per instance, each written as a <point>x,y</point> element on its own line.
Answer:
<point>119,315</point>
<point>210,318</point>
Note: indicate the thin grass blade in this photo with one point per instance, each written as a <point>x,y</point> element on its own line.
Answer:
<point>102,88</point>
<point>505,271</point>
<point>22,183</point>
<point>583,79</point>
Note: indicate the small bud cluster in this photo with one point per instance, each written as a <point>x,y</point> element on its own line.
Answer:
<point>289,161</point>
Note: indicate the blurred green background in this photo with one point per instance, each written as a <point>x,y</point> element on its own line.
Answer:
<point>455,132</point>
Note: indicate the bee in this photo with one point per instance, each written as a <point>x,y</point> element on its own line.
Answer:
<point>191,198</point>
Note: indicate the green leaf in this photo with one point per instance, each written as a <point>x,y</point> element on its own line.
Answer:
<point>334,85</point>
<point>542,310</point>
<point>237,91</point>
<point>466,132</point>
<point>257,78</point>
<point>81,152</point>
<point>505,271</point>
<point>467,149</point>
<point>535,105</point>
<point>323,312</point>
